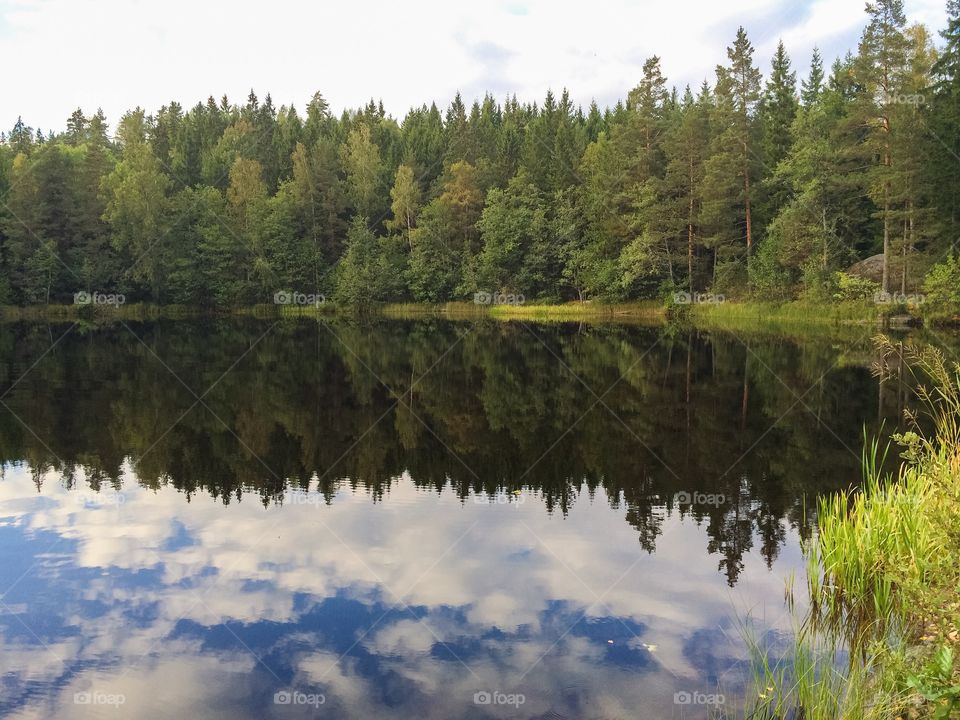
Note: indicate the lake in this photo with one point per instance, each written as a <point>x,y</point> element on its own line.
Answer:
<point>243,518</point>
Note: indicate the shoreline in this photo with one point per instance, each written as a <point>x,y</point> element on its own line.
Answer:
<point>748,315</point>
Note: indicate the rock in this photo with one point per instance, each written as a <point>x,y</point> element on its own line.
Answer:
<point>870,268</point>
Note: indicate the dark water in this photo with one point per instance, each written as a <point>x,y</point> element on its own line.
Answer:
<point>255,519</point>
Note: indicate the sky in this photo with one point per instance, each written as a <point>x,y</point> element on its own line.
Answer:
<point>58,55</point>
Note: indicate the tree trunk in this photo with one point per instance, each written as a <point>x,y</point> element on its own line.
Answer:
<point>909,244</point>
<point>666,247</point>
<point>746,192</point>
<point>690,234</point>
<point>886,238</point>
<point>823,261</point>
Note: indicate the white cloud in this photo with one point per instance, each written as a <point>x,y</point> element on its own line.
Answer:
<point>511,564</point>
<point>61,54</point>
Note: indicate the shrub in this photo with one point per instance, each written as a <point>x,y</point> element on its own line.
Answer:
<point>853,287</point>
<point>942,286</point>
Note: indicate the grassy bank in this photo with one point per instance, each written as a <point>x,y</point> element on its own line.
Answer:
<point>645,312</point>
<point>95,313</point>
<point>734,316</point>
<point>881,637</point>
<point>787,316</point>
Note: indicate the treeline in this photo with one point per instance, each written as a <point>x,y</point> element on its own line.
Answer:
<point>746,186</point>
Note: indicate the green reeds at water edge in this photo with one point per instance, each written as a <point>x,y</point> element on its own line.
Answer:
<point>880,638</point>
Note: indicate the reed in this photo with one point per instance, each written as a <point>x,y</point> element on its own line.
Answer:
<point>883,579</point>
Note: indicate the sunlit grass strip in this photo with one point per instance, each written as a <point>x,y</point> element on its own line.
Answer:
<point>750,315</point>
<point>651,310</point>
<point>69,312</point>
<point>566,312</point>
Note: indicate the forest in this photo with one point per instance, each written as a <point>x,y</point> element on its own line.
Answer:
<point>755,185</point>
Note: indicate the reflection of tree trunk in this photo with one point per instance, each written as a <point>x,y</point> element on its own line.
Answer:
<point>880,391</point>
<point>903,270</point>
<point>746,391</point>
<point>666,371</point>
<point>901,391</point>
<point>689,369</point>
<point>713,362</point>
<point>820,401</point>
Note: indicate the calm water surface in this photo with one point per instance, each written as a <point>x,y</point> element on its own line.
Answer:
<point>252,519</point>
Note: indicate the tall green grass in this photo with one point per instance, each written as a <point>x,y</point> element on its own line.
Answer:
<point>783,316</point>
<point>883,580</point>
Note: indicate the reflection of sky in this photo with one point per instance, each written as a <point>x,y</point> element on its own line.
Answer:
<point>395,609</point>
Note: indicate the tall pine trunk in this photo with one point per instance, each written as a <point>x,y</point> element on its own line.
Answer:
<point>886,238</point>
<point>690,233</point>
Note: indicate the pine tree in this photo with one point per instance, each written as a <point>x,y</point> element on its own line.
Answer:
<point>405,195</point>
<point>944,123</point>
<point>778,109</point>
<point>813,85</point>
<point>136,203</point>
<point>776,113</point>
<point>76,127</point>
<point>731,169</point>
<point>880,66</point>
<point>361,160</point>
<point>687,147</point>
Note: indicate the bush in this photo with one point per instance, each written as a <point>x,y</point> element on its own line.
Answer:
<point>853,287</point>
<point>942,286</point>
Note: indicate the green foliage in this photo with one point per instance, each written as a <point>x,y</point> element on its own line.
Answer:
<point>747,188</point>
<point>516,255</point>
<point>935,682</point>
<point>370,268</point>
<point>852,287</point>
<point>882,574</point>
<point>942,286</point>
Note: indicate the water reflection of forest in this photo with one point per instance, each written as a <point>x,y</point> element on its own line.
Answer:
<point>651,415</point>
